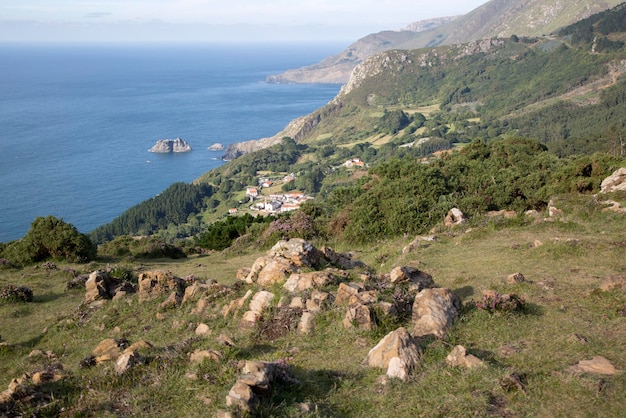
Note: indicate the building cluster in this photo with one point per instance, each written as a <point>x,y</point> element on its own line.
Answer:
<point>276,203</point>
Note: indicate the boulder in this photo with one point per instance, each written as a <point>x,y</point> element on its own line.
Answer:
<point>346,291</point>
<point>242,397</point>
<point>343,261</point>
<point>299,252</point>
<point>202,330</point>
<point>398,369</point>
<point>397,344</point>
<point>109,349</point>
<point>198,356</point>
<point>515,278</point>
<point>615,182</point>
<point>267,271</point>
<point>454,217</point>
<point>172,301</point>
<point>458,357</point>
<point>434,310</point>
<point>153,284</point>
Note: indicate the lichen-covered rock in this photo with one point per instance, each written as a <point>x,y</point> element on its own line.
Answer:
<point>458,357</point>
<point>360,316</point>
<point>397,344</point>
<point>615,182</point>
<point>153,284</point>
<point>434,310</point>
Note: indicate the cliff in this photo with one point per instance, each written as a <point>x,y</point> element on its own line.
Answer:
<point>164,146</point>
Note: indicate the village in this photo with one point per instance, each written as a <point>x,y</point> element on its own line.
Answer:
<point>274,203</point>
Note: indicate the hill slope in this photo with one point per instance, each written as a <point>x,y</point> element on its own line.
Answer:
<point>497,18</point>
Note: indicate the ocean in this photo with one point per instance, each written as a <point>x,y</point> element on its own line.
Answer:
<point>77,120</point>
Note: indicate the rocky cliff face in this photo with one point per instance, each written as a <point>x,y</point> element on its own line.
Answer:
<point>164,146</point>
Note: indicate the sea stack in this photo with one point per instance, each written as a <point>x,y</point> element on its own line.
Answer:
<point>170,145</point>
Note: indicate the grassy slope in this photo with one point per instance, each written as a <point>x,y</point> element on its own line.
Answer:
<point>563,276</point>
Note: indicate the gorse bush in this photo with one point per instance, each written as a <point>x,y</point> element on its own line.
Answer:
<point>50,238</point>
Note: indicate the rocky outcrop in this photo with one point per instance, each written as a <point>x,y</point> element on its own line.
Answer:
<point>164,146</point>
<point>615,182</point>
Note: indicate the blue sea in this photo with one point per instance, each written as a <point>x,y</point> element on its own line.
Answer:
<point>76,121</point>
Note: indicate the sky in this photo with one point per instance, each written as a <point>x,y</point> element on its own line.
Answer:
<point>214,20</point>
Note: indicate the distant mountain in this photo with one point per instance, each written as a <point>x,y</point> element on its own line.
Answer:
<point>497,18</point>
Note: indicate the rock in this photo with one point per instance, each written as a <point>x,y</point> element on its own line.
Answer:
<point>172,301</point>
<point>258,304</point>
<point>241,396</point>
<point>597,365</point>
<point>109,349</point>
<point>358,315</point>
<point>39,378</point>
<point>418,279</point>
<point>153,284</point>
<point>434,310</point>
<point>506,214</point>
<point>319,300</point>
<point>398,369</point>
<point>257,374</point>
<point>413,245</point>
<point>97,286</point>
<point>191,292</point>
<point>236,304</point>
<point>398,343</point>
<point>198,356</point>
<point>303,281</point>
<point>515,278</point>
<point>242,273</point>
<point>224,339</point>
<point>299,252</point>
<point>307,323</point>
<point>202,330</point>
<point>164,146</point>
<point>127,361</point>
<point>216,147</point>
<point>346,291</point>
<point>200,307</point>
<point>267,271</point>
<point>343,261</point>
<point>459,358</point>
<point>612,206</point>
<point>138,345</point>
<point>615,182</point>
<point>454,217</point>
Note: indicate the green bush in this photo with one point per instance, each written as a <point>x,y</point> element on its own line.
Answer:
<point>50,238</point>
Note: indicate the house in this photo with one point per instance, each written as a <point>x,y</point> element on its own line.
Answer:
<point>354,162</point>
<point>252,192</point>
<point>294,196</point>
<point>267,183</point>
<point>289,178</point>
<point>273,205</point>
<point>232,211</point>
<point>288,207</point>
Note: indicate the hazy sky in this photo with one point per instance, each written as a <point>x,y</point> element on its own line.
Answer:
<point>217,20</point>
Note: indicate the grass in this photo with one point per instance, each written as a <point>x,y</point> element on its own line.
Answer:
<point>568,319</point>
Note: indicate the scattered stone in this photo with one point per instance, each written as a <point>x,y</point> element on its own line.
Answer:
<point>458,357</point>
<point>345,291</point>
<point>258,304</point>
<point>241,396</point>
<point>319,300</point>
<point>434,310</point>
<point>578,339</point>
<point>612,206</point>
<point>454,217</point>
<point>615,182</point>
<point>200,307</point>
<point>513,381</point>
<point>127,361</point>
<point>343,261</point>
<point>198,356</point>
<point>242,273</point>
<point>515,278</point>
<point>597,365</point>
<point>224,339</point>
<point>202,330</point>
<point>397,344</point>
<point>97,286</point>
<point>237,304</point>
<point>39,378</point>
<point>297,303</point>
<point>109,349</point>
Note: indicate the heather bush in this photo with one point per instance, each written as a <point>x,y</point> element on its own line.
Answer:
<point>494,302</point>
<point>12,293</point>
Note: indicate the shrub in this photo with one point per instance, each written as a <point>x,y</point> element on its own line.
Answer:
<point>50,238</point>
<point>12,293</point>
